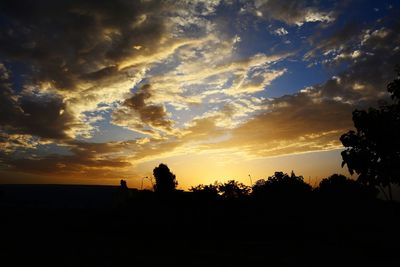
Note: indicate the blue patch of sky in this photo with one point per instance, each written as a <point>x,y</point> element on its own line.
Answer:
<point>261,39</point>
<point>185,115</point>
<point>257,36</point>
<point>51,149</point>
<point>43,150</point>
<point>367,11</point>
<point>19,71</point>
<point>298,75</point>
<point>167,65</point>
<point>108,132</point>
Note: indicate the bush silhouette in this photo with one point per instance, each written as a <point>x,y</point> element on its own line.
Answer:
<point>165,179</point>
<point>373,150</point>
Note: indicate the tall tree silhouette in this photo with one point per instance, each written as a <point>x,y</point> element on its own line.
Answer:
<point>373,150</point>
<point>165,179</point>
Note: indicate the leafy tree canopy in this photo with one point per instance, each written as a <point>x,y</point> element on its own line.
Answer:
<point>338,186</point>
<point>281,184</point>
<point>373,149</point>
<point>233,189</point>
<point>206,191</point>
<point>165,179</point>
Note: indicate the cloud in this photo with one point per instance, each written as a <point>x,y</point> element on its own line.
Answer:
<point>314,118</point>
<point>255,82</point>
<point>92,160</point>
<point>211,70</point>
<point>41,115</point>
<point>72,51</point>
<point>103,51</point>
<point>63,41</point>
<point>292,124</point>
<point>85,53</point>
<point>311,120</point>
<point>11,142</point>
<point>365,80</point>
<point>280,31</point>
<point>292,12</point>
<point>138,115</point>
<point>340,40</point>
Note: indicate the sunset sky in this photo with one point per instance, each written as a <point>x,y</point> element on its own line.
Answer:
<point>92,92</point>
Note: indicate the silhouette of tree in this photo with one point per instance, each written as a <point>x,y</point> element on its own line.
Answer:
<point>123,184</point>
<point>205,191</point>
<point>233,189</point>
<point>281,184</point>
<point>165,179</point>
<point>373,150</point>
<point>338,186</point>
<point>123,194</point>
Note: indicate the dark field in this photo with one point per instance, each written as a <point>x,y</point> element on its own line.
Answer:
<point>57,225</point>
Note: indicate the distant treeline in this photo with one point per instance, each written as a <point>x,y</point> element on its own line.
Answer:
<point>284,186</point>
<point>280,185</point>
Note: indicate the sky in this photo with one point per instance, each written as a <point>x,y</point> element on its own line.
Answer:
<point>92,92</point>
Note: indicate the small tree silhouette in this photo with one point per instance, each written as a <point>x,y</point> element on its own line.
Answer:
<point>165,179</point>
<point>373,150</point>
<point>123,184</point>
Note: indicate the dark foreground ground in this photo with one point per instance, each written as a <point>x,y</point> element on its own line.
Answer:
<point>96,226</point>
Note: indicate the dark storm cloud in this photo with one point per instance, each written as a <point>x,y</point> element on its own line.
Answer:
<point>39,115</point>
<point>62,41</point>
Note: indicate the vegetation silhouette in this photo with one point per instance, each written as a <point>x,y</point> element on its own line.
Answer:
<point>233,190</point>
<point>206,192</point>
<point>338,187</point>
<point>373,150</point>
<point>281,185</point>
<point>165,179</point>
<point>123,184</point>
